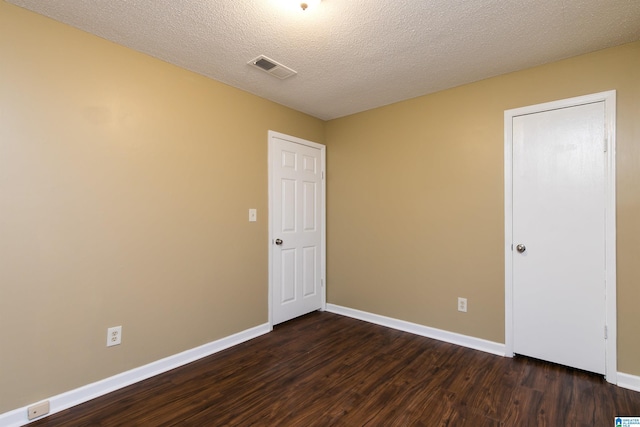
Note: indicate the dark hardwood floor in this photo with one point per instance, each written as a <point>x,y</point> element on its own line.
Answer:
<point>327,370</point>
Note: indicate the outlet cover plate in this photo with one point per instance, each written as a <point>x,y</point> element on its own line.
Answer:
<point>38,410</point>
<point>114,336</point>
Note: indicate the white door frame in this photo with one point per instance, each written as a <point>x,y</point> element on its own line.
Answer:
<point>323,216</point>
<point>609,99</point>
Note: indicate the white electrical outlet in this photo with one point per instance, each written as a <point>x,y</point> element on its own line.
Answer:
<point>462,304</point>
<point>253,215</point>
<point>38,410</point>
<point>114,336</point>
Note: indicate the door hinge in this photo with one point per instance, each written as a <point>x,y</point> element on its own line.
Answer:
<point>322,283</point>
<point>322,174</point>
<point>606,144</point>
<point>606,332</point>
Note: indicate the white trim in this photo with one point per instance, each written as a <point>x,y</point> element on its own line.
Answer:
<point>609,99</point>
<point>18,417</point>
<point>628,381</point>
<point>425,331</point>
<point>323,210</point>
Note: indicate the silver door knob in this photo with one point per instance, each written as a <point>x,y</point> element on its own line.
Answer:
<point>278,242</point>
<point>521,248</point>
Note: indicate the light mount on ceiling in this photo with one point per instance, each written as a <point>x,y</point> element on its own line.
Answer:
<point>307,4</point>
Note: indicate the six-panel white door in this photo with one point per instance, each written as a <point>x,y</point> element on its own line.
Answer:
<point>297,227</point>
<point>559,221</point>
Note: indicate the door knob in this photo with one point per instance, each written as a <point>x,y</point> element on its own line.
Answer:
<point>278,242</point>
<point>521,248</point>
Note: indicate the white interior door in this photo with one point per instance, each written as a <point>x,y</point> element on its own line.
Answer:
<point>559,239</point>
<point>297,226</point>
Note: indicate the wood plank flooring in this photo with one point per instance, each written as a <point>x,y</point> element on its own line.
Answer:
<point>327,370</point>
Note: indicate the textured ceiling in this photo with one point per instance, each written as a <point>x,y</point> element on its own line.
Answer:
<point>353,55</point>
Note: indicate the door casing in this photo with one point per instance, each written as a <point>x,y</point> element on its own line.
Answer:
<point>323,216</point>
<point>609,99</point>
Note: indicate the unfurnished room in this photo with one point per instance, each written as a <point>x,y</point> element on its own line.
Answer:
<point>319,213</point>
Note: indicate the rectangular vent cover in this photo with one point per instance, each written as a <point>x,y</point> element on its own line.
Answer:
<point>272,67</point>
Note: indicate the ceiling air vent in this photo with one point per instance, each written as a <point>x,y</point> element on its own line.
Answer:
<point>272,67</point>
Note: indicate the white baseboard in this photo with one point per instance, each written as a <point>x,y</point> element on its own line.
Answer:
<point>18,417</point>
<point>631,382</point>
<point>425,331</point>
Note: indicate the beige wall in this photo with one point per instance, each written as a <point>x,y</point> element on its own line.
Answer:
<point>415,197</point>
<point>125,184</point>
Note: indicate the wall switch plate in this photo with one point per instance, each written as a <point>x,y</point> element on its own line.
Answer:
<point>114,336</point>
<point>253,215</point>
<point>38,410</point>
<point>462,304</point>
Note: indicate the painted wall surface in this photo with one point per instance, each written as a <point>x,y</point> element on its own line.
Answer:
<point>125,184</point>
<point>416,198</point>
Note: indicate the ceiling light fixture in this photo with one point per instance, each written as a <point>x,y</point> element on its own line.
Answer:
<point>309,4</point>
